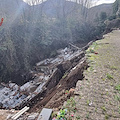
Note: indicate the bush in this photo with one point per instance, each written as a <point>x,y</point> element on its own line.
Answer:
<point>112,17</point>
<point>103,16</point>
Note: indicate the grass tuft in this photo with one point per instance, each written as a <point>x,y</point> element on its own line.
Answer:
<point>109,76</point>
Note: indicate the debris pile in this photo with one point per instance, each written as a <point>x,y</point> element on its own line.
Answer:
<point>46,74</point>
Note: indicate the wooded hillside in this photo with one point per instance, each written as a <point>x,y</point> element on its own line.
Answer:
<point>32,33</point>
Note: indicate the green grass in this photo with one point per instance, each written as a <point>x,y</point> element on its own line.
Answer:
<point>92,48</point>
<point>71,105</point>
<point>106,117</point>
<point>103,108</point>
<point>87,115</point>
<point>113,68</point>
<point>117,98</point>
<point>95,109</point>
<point>65,75</point>
<point>90,68</point>
<point>119,109</point>
<point>88,102</point>
<point>107,93</point>
<point>103,79</point>
<point>92,51</point>
<point>78,117</point>
<point>109,76</point>
<point>117,87</point>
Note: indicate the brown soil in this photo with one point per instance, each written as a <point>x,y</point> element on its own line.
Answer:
<point>56,96</point>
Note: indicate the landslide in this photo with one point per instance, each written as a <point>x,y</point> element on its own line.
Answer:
<point>54,95</point>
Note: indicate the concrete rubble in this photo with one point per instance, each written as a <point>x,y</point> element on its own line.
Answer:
<point>7,115</point>
<point>12,95</point>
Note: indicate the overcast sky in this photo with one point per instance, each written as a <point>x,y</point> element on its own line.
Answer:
<point>97,2</point>
<point>104,1</point>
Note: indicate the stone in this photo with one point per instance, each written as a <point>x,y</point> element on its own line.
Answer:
<point>33,116</point>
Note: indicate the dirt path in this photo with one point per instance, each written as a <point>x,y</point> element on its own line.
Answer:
<point>99,98</point>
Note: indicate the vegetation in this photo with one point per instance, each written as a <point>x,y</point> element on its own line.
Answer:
<point>103,16</point>
<point>116,6</point>
<point>112,17</point>
<point>109,76</point>
<point>117,87</point>
<point>68,112</point>
<point>36,33</point>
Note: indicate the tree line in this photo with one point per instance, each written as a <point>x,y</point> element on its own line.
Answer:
<point>37,33</point>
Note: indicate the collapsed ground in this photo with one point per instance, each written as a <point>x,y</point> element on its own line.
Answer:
<point>97,96</point>
<point>48,77</point>
<point>48,93</point>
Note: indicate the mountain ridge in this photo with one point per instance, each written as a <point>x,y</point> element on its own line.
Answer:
<point>30,34</point>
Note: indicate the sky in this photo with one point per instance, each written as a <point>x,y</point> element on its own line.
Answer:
<point>104,1</point>
<point>95,2</point>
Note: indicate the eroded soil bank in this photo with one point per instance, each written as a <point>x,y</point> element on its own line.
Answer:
<point>48,77</point>
<point>72,71</point>
<point>97,96</point>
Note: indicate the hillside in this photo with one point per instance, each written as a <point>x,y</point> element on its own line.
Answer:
<point>97,95</point>
<point>53,8</point>
<point>30,34</point>
<point>94,12</point>
<point>12,11</point>
<point>55,52</point>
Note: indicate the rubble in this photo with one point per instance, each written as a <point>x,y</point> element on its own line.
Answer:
<point>8,114</point>
<point>32,116</point>
<point>47,74</point>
